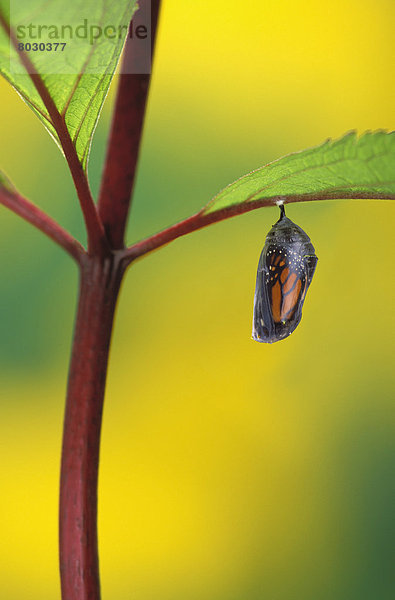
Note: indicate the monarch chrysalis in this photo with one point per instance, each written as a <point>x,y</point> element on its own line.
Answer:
<point>285,270</point>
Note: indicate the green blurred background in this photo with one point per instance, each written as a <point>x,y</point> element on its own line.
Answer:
<point>230,469</point>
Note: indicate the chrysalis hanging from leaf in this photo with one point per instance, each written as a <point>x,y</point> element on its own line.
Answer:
<point>285,270</point>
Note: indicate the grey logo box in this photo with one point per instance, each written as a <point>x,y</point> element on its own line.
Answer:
<point>76,37</point>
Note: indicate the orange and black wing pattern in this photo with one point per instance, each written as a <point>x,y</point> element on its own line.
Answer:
<point>285,270</point>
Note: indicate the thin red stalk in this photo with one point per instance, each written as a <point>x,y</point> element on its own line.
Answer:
<point>124,143</point>
<point>34,215</point>
<point>95,231</point>
<point>202,219</point>
<point>99,287</point>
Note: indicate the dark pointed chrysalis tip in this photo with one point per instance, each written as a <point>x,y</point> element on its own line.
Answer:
<point>285,270</point>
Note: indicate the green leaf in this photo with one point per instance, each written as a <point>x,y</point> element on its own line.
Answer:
<point>77,77</point>
<point>350,167</point>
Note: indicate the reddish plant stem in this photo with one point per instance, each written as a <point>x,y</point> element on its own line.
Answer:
<point>203,219</point>
<point>126,132</point>
<point>96,237</point>
<point>100,280</point>
<point>34,215</point>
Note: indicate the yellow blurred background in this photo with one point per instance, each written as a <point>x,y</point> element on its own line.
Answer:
<point>230,469</point>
